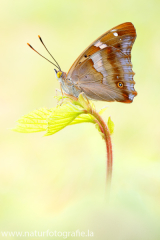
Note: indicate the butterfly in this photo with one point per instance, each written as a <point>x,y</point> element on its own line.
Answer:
<point>103,71</point>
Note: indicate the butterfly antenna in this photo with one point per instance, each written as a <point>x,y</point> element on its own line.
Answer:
<point>49,52</point>
<point>41,55</point>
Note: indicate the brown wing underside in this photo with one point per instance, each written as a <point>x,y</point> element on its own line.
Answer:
<point>121,37</point>
<point>101,74</point>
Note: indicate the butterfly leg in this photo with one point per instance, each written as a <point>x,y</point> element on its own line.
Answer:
<point>70,96</point>
<point>62,95</point>
<point>57,90</point>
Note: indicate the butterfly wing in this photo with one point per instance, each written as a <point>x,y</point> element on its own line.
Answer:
<point>106,75</point>
<point>104,70</point>
<point>121,37</point>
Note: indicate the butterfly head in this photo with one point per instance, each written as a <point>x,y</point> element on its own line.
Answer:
<point>59,75</point>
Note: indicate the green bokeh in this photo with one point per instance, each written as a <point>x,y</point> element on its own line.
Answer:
<point>58,182</point>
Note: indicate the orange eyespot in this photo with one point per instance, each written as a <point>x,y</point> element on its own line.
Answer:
<point>120,84</point>
<point>59,74</point>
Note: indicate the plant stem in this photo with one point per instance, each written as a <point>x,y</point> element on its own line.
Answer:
<point>107,138</point>
<point>84,102</point>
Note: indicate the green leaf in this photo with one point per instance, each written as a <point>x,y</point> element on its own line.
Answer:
<point>70,112</point>
<point>83,118</point>
<point>102,110</point>
<point>62,116</point>
<point>35,121</point>
<point>110,125</point>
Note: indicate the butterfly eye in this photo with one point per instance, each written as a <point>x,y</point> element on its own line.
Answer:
<point>59,74</point>
<point>120,84</point>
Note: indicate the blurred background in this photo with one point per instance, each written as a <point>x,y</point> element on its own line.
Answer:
<point>58,182</point>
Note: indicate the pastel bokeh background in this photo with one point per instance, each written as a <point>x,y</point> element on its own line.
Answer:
<point>58,182</point>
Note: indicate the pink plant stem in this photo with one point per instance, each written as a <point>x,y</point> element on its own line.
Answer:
<point>107,138</point>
